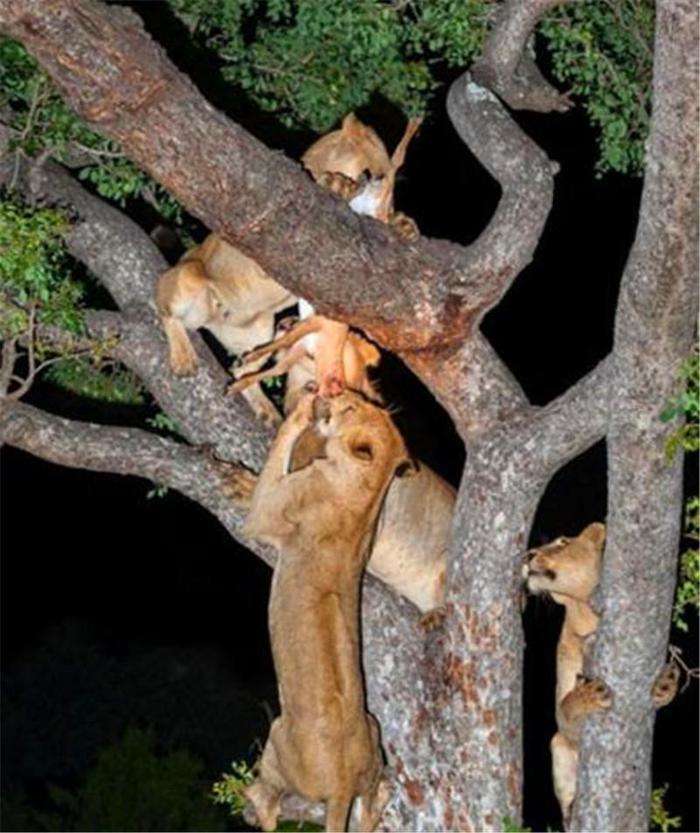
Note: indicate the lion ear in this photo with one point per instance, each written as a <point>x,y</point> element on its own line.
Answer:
<point>407,468</point>
<point>351,124</point>
<point>595,533</point>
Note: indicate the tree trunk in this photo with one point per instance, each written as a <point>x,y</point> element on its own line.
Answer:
<point>653,335</point>
<point>449,700</point>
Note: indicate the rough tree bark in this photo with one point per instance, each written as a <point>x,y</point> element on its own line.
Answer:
<point>654,325</point>
<point>449,702</point>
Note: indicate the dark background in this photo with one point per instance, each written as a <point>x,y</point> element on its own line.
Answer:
<point>118,609</point>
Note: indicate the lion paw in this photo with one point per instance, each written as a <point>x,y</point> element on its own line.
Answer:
<point>665,686</point>
<point>237,484</point>
<point>341,185</point>
<point>433,619</point>
<point>403,226</point>
<point>184,364</point>
<point>596,694</point>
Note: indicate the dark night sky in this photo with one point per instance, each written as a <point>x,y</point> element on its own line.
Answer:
<point>99,582</point>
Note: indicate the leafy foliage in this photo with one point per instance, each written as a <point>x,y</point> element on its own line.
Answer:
<point>510,826</point>
<point>164,423</point>
<point>132,787</point>
<point>33,271</point>
<point>685,405</point>
<point>42,121</point>
<point>603,51</point>
<point>659,816</point>
<point>42,304</point>
<point>312,61</point>
<point>95,378</point>
<point>688,589</point>
<point>230,791</point>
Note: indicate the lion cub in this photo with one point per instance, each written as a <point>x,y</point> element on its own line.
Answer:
<point>217,287</point>
<point>317,502</point>
<point>568,569</point>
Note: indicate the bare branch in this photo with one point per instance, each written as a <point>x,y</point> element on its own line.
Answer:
<point>129,451</point>
<point>570,424</point>
<point>506,66</point>
<point>204,414</point>
<point>7,364</point>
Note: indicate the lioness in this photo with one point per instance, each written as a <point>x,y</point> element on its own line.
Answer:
<point>412,539</point>
<point>353,162</point>
<point>217,287</point>
<point>568,569</point>
<point>317,501</point>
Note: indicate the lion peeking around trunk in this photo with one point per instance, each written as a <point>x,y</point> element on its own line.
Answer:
<point>317,501</point>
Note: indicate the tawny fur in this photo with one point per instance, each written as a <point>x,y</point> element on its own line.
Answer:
<point>412,539</point>
<point>351,150</point>
<point>317,501</point>
<point>340,357</point>
<point>217,287</point>
<point>568,569</point>
<point>340,160</point>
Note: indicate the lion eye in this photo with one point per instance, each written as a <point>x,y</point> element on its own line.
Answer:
<point>363,451</point>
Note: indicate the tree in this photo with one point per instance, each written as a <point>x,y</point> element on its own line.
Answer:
<point>448,702</point>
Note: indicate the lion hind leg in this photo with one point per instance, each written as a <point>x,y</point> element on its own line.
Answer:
<point>337,812</point>
<point>564,764</point>
<point>265,793</point>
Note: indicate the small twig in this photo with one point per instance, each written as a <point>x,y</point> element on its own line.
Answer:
<point>109,154</point>
<point>9,356</point>
<point>676,656</point>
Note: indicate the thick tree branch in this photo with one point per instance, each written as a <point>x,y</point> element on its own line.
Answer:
<point>191,471</point>
<point>204,414</point>
<point>653,333</point>
<point>525,175</point>
<point>127,263</point>
<point>508,69</point>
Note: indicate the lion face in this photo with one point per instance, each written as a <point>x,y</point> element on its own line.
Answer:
<point>567,566</point>
<point>355,434</point>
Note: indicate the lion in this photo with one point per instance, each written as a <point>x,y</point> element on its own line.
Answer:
<point>217,287</point>
<point>353,163</point>
<point>412,539</point>
<point>317,501</point>
<point>568,570</point>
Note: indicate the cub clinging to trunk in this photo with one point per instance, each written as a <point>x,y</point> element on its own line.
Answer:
<point>317,501</point>
<point>568,569</point>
